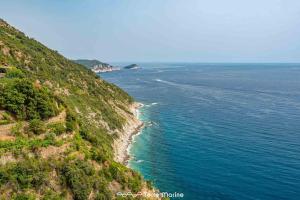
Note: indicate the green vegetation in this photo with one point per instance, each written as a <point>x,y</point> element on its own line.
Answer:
<point>22,143</point>
<point>70,121</point>
<point>17,129</point>
<point>26,101</point>
<point>24,196</point>
<point>79,177</point>
<point>37,126</point>
<point>127,177</point>
<point>31,173</point>
<point>57,128</point>
<point>62,117</point>
<point>5,118</point>
<point>14,73</point>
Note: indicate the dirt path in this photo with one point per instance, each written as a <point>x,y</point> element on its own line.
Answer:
<point>61,117</point>
<point>6,129</point>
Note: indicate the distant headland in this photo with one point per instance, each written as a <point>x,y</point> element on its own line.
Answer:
<point>97,66</point>
<point>132,66</point>
<point>101,67</point>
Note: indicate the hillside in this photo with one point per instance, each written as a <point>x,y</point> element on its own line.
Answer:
<point>89,63</point>
<point>58,126</point>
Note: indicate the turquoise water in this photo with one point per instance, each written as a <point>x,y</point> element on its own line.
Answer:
<point>218,131</point>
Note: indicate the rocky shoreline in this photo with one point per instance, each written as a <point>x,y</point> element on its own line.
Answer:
<point>122,144</point>
<point>133,127</point>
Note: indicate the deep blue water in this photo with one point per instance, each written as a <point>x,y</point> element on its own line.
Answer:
<point>219,131</point>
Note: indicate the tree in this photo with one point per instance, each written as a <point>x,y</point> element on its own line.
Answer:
<point>20,97</point>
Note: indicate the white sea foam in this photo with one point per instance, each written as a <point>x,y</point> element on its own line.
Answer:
<point>149,124</point>
<point>138,113</point>
<point>163,81</point>
<point>151,104</point>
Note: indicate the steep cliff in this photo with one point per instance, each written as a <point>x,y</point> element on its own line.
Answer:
<point>58,124</point>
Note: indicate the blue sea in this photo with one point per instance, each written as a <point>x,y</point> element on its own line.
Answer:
<point>217,131</point>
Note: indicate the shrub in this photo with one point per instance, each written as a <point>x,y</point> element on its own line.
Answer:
<point>4,176</point>
<point>24,196</point>
<point>117,172</point>
<point>28,174</point>
<point>50,137</point>
<point>70,121</point>
<point>6,116</point>
<point>13,101</point>
<point>14,73</point>
<point>103,196</point>
<point>135,184</point>
<point>17,129</point>
<point>51,195</point>
<point>5,119</point>
<point>37,126</point>
<point>20,97</point>
<point>57,128</point>
<point>98,155</point>
<point>79,178</point>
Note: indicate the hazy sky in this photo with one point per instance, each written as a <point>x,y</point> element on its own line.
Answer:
<point>162,30</point>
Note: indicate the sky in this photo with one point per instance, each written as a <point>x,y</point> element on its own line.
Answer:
<point>162,30</point>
